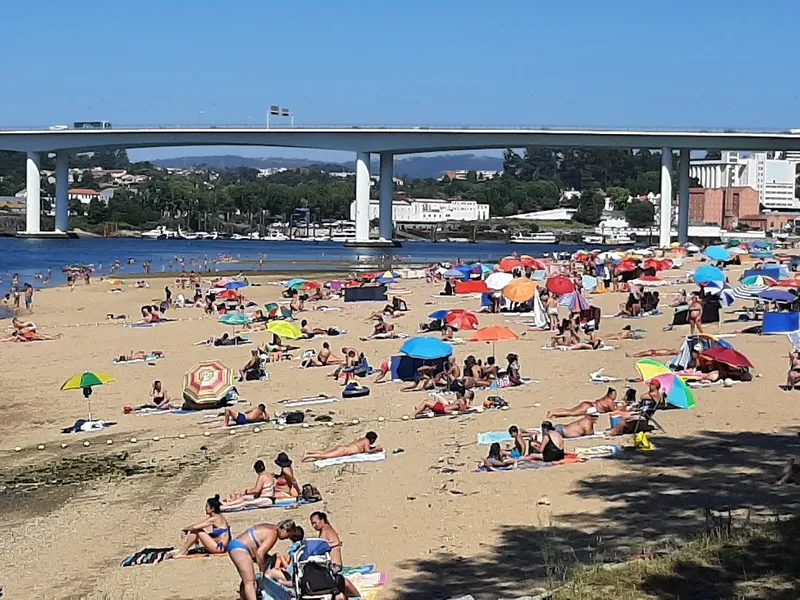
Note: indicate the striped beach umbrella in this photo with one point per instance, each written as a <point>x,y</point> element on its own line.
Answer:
<point>207,383</point>
<point>749,292</point>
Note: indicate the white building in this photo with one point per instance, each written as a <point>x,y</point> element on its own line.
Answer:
<point>428,210</point>
<point>84,195</point>
<point>773,179</point>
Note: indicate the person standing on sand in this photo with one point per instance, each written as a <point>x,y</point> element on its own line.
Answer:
<point>254,545</point>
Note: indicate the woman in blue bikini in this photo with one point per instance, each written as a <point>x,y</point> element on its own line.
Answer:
<point>255,544</point>
<point>216,541</point>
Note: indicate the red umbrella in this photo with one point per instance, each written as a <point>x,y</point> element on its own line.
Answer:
<point>509,263</point>
<point>789,283</point>
<point>462,320</point>
<point>228,295</point>
<point>560,285</point>
<point>628,264</point>
<point>529,261</point>
<point>728,356</point>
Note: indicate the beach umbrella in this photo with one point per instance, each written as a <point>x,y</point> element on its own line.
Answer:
<point>493,333</point>
<point>466,271</point>
<point>691,247</point>
<point>280,312</point>
<point>86,381</point>
<point>737,250</point>
<point>520,290</point>
<point>453,273</point>
<point>270,306</point>
<point>758,280</point>
<point>426,348</point>
<point>708,273</point>
<point>718,253</point>
<point>482,269</point>
<point>649,281</point>
<point>777,295</point>
<point>386,279</point>
<point>207,383</point>
<point>391,275</point>
<point>723,290</point>
<point>497,281</point>
<point>789,283</point>
<point>462,320</point>
<point>228,295</point>
<point>439,315</point>
<point>649,368</point>
<point>510,263</point>
<point>285,329</point>
<point>305,285</point>
<point>578,303</point>
<point>234,285</point>
<point>627,264</point>
<point>728,356</point>
<point>589,282</point>
<point>529,261</point>
<point>675,390</point>
<point>749,292</point>
<point>295,281</point>
<point>560,285</point>
<point>234,318</point>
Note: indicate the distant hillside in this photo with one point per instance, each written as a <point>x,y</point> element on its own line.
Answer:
<point>415,167</point>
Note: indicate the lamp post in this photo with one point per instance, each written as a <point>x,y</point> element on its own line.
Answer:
<point>277,111</point>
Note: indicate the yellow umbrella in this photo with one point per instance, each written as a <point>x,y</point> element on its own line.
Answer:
<point>86,381</point>
<point>649,368</point>
<point>285,329</point>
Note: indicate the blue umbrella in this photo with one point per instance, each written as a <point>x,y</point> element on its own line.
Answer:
<point>777,296</point>
<point>234,285</point>
<point>439,314</point>
<point>465,270</point>
<point>718,253</point>
<point>708,273</point>
<point>426,348</point>
<point>295,281</point>
<point>386,280</point>
<point>454,273</point>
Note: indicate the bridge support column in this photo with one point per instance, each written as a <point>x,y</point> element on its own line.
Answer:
<point>386,191</point>
<point>683,196</point>
<point>33,189</point>
<point>362,196</point>
<point>62,192</point>
<point>665,224</point>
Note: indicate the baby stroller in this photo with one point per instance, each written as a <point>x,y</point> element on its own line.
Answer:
<point>315,577</point>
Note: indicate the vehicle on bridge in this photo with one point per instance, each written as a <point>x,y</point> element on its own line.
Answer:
<point>91,125</point>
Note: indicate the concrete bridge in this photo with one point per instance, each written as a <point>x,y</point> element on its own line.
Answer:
<point>386,142</point>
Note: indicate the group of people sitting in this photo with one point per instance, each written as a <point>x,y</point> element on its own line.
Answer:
<point>25,331</point>
<point>473,374</point>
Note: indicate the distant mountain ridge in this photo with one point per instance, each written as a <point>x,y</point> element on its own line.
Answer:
<point>415,167</point>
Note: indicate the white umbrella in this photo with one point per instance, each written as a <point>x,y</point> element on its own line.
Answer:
<point>749,292</point>
<point>497,281</point>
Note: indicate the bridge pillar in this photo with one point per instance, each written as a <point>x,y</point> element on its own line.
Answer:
<point>33,189</point>
<point>62,192</point>
<point>683,196</point>
<point>386,190</point>
<point>362,196</point>
<point>665,225</point>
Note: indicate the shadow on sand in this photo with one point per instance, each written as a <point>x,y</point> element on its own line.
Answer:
<point>660,496</point>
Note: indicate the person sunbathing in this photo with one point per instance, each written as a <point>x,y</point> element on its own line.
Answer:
<point>497,458</point>
<point>551,447</point>
<point>365,445</point>
<point>581,427</point>
<point>626,333</point>
<point>592,343</point>
<point>381,330</point>
<point>262,490</point>
<point>132,355</point>
<point>438,406</point>
<point>286,485</point>
<point>310,332</point>
<point>29,336</point>
<point>654,352</point>
<point>604,404</point>
<point>325,357</point>
<point>254,415</point>
<point>214,541</point>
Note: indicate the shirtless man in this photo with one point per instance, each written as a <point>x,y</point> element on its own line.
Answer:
<point>325,357</point>
<point>263,488</point>
<point>381,330</point>
<point>604,404</point>
<point>438,406</point>
<point>424,379</point>
<point>450,373</point>
<point>320,523</point>
<point>581,427</point>
<point>254,415</point>
<point>365,445</point>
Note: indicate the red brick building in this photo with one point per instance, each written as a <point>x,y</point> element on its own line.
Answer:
<point>722,206</point>
<point>768,221</point>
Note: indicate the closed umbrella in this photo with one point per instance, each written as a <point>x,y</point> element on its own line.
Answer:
<point>708,273</point>
<point>462,320</point>
<point>494,333</point>
<point>675,390</point>
<point>718,253</point>
<point>426,348</point>
<point>520,290</point>
<point>497,281</point>
<point>207,383</point>
<point>86,381</point>
<point>285,329</point>
<point>728,356</point>
<point>560,285</point>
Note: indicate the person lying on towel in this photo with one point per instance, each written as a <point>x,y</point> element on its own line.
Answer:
<point>254,415</point>
<point>581,427</point>
<point>365,445</point>
<point>438,406</point>
<point>605,404</point>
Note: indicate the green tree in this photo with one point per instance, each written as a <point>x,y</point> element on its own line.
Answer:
<point>590,208</point>
<point>619,197</point>
<point>640,213</point>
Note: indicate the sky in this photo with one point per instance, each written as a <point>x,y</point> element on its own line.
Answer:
<point>612,63</point>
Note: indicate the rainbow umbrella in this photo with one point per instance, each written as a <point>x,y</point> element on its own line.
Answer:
<point>761,280</point>
<point>207,383</point>
<point>649,368</point>
<point>675,390</point>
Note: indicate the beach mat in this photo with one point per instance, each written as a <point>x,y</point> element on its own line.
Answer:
<point>307,401</point>
<point>146,359</point>
<point>282,503</point>
<point>581,455</point>
<point>487,438</point>
<point>355,458</point>
<point>152,556</point>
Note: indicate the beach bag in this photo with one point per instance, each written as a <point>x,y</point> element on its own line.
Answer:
<point>295,417</point>
<point>333,331</point>
<point>309,493</point>
<point>317,579</point>
<point>494,402</point>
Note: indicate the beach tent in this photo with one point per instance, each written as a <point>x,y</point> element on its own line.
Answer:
<point>707,340</point>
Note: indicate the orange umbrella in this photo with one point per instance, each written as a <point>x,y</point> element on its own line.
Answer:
<point>462,320</point>
<point>520,290</point>
<point>494,333</point>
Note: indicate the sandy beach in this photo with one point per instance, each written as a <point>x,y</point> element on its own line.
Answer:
<point>424,516</point>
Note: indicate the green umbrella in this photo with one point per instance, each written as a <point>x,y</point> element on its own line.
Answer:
<point>233,319</point>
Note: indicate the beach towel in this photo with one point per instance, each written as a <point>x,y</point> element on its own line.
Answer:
<point>354,458</point>
<point>308,401</point>
<point>505,382</point>
<point>794,338</point>
<point>265,503</point>
<point>149,358</point>
<point>487,438</point>
<point>84,426</point>
<point>566,348</point>
<point>138,325</point>
<point>152,556</point>
<point>385,336</point>
<point>149,410</point>
<point>579,456</point>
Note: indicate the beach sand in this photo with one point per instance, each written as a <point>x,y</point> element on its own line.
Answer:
<point>423,515</point>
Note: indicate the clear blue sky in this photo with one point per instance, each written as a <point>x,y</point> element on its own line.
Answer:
<point>701,63</point>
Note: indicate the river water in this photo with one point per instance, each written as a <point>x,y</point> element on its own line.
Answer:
<point>28,257</point>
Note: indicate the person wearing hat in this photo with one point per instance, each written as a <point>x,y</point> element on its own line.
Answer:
<point>286,485</point>
<point>653,392</point>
